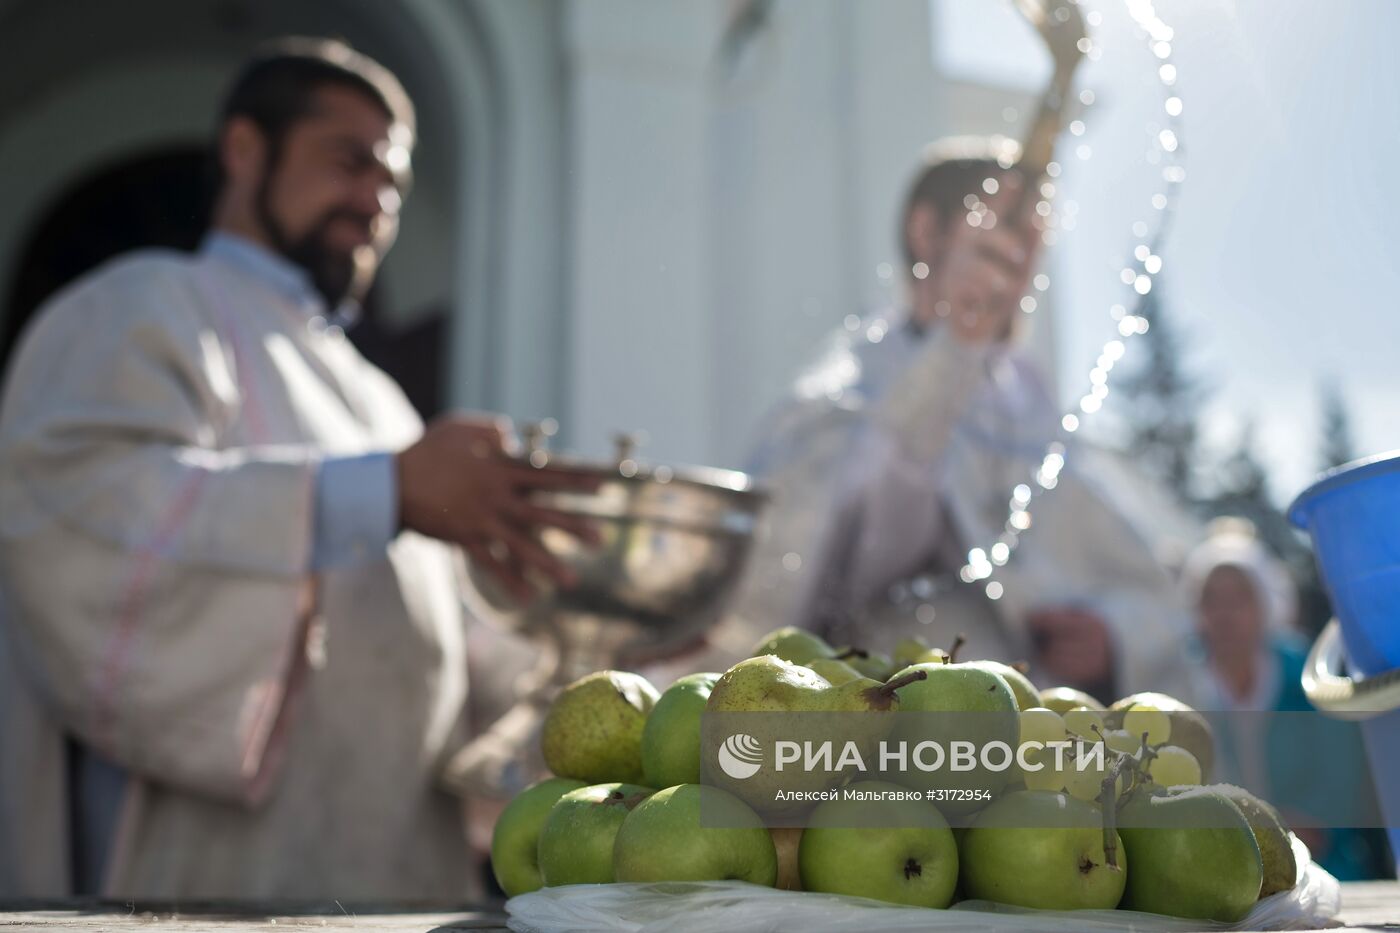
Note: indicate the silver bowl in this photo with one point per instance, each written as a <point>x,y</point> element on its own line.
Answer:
<point>674,542</point>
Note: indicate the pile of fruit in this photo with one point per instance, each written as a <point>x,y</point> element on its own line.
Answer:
<point>1142,833</point>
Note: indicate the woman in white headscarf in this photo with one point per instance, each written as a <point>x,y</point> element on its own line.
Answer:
<point>1246,607</point>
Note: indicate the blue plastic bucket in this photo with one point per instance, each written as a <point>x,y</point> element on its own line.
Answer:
<point>1353,516</point>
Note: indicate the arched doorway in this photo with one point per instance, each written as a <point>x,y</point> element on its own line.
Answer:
<point>153,199</point>
<point>162,199</point>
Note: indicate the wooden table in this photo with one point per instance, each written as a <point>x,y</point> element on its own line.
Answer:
<point>1366,905</point>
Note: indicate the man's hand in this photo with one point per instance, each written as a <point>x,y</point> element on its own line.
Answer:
<point>458,484</point>
<point>1072,645</point>
<point>986,271</point>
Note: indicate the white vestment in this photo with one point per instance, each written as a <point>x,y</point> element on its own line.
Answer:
<point>896,455</point>
<point>283,731</point>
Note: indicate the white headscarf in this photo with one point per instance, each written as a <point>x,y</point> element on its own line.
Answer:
<point>1232,542</point>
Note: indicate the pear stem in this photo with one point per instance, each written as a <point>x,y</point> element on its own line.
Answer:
<point>958,642</point>
<point>903,680</point>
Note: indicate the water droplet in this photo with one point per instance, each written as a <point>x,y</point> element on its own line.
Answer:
<point>1114,349</point>
<point>1139,229</point>
<point>1168,74</point>
<point>1042,208</point>
<point>1159,201</point>
<point>885,271</point>
<point>1142,252</point>
<point>1028,304</point>
<point>1153,264</point>
<point>1174,174</point>
<point>875,333</point>
<point>1128,275</point>
<point>1117,312</point>
<point>972,202</point>
<point>792,562</point>
<point>1041,282</point>
<point>1168,140</point>
<point>852,322</point>
<point>925,614</point>
<point>1076,127</point>
<point>1047,190</point>
<point>1020,520</point>
<point>920,270</point>
<point>1070,423</point>
<point>1173,106</point>
<point>1097,376</point>
<point>990,185</point>
<point>1142,285</point>
<point>1086,97</point>
<point>1095,18</point>
<point>1083,151</point>
<point>994,590</point>
<point>1052,169</point>
<point>1162,49</point>
<point>1089,404</point>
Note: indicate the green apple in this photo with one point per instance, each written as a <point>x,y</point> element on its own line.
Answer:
<point>958,689</point>
<point>900,851</point>
<point>664,839</point>
<point>1280,865</point>
<point>671,737</point>
<point>836,672</point>
<point>910,650</point>
<point>787,840</point>
<point>1192,855</point>
<point>576,841</point>
<point>593,731</point>
<point>870,664</point>
<point>515,838</point>
<point>1042,850</point>
<point>792,644</point>
<point>1064,699</point>
<point>1027,697</point>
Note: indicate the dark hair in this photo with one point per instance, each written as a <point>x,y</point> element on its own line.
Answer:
<point>277,87</point>
<point>953,169</point>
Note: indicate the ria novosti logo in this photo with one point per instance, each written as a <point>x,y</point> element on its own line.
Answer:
<point>740,756</point>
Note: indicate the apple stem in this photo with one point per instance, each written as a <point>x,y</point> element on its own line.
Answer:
<point>903,680</point>
<point>958,642</point>
<point>851,653</point>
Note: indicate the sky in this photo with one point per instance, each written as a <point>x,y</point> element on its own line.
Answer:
<point>1279,264</point>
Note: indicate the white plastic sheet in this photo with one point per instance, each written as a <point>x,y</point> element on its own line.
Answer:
<point>702,907</point>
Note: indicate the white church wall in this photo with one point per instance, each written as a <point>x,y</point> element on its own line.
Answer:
<point>718,230</point>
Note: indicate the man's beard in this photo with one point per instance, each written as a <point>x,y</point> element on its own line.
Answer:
<point>335,275</point>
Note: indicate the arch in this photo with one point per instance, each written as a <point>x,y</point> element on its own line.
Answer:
<point>463,223</point>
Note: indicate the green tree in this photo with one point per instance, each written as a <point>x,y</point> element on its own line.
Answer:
<point>1162,402</point>
<point>1337,446</point>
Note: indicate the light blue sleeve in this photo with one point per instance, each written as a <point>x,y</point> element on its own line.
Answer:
<point>356,511</point>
